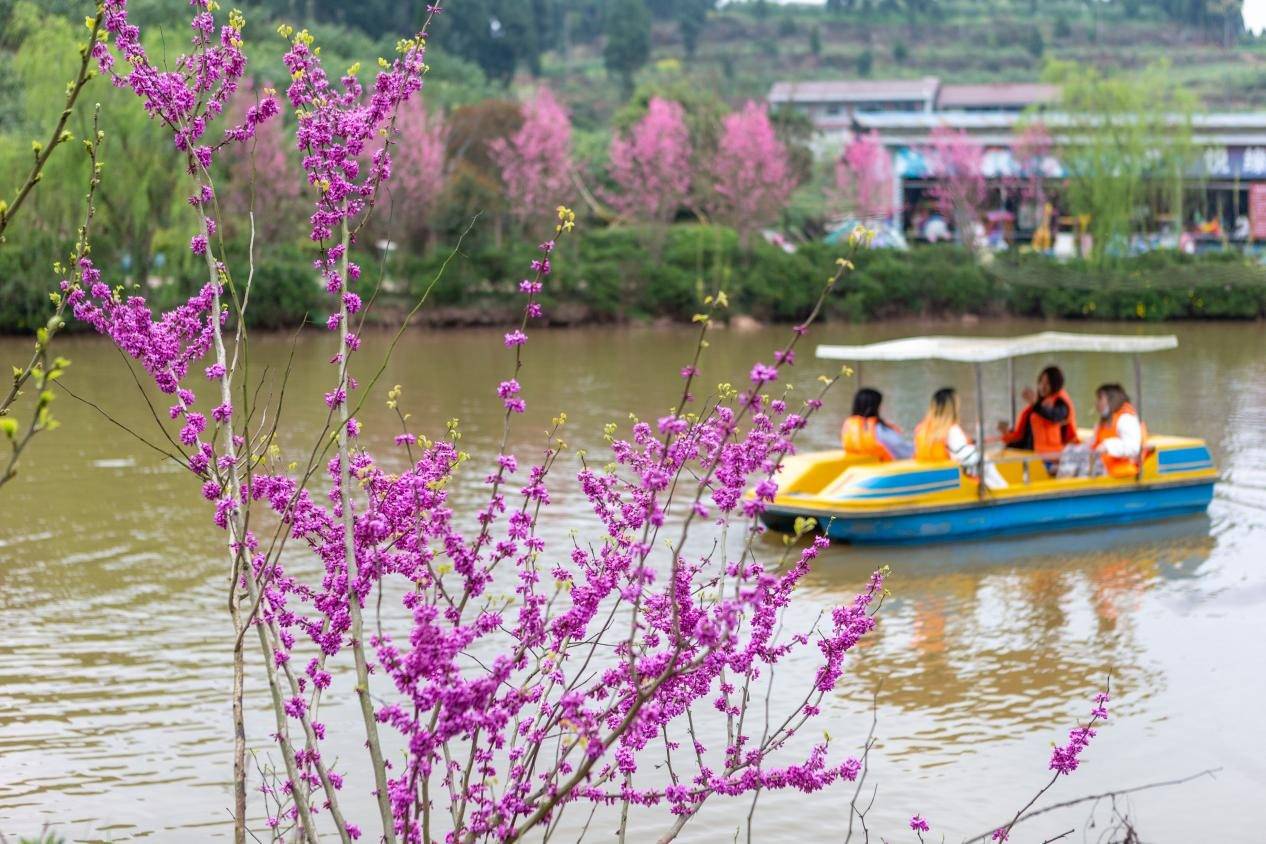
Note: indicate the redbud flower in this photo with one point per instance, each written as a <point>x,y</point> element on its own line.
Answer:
<point>918,824</point>
<point>763,373</point>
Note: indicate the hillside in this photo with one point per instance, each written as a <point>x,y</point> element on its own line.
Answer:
<point>742,51</point>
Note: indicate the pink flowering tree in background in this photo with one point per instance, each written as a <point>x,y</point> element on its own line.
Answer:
<point>507,677</point>
<point>957,163</point>
<point>535,161</point>
<point>269,180</point>
<point>420,174</point>
<point>751,173</point>
<point>1032,146</point>
<point>863,177</point>
<point>651,165</point>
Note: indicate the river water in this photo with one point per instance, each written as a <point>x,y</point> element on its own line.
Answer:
<point>114,671</point>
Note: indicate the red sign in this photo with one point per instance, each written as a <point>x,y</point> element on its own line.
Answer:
<point>1257,210</point>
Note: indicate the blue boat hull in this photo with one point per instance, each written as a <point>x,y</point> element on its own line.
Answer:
<point>996,518</point>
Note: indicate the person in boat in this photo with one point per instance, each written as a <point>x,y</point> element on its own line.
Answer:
<point>865,432</point>
<point>940,437</point>
<point>1048,421</point>
<point>1118,440</point>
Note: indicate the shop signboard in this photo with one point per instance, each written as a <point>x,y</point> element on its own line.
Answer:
<point>1257,210</point>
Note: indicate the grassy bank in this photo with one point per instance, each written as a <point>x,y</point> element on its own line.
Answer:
<point>626,274</point>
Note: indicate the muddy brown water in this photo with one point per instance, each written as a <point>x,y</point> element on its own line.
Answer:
<point>114,670</point>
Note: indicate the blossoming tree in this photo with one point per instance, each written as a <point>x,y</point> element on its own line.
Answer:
<point>957,163</point>
<point>520,677</point>
<point>751,174</point>
<point>651,165</point>
<point>266,179</point>
<point>420,171</point>
<point>863,177</point>
<point>1032,146</point>
<point>535,161</point>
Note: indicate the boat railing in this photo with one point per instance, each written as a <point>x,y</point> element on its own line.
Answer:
<point>1002,458</point>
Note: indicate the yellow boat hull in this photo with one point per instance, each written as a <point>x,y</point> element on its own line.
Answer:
<point>857,499</point>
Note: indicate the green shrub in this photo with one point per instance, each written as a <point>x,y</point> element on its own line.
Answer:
<point>636,273</point>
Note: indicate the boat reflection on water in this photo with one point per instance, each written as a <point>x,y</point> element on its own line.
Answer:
<point>978,638</point>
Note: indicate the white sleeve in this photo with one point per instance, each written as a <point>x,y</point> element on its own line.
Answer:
<point>960,448</point>
<point>1129,439</point>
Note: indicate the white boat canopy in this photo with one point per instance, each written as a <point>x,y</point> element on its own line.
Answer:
<point>985,349</point>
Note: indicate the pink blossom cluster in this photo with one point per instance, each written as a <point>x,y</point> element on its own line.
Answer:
<point>685,634</point>
<point>957,160</point>
<point>651,165</point>
<point>535,160</point>
<point>751,173</point>
<point>863,176</point>
<point>339,126</point>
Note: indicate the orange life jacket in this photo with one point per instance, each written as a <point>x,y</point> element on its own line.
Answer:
<point>858,437</point>
<point>1048,437</point>
<point>927,448</point>
<point>1119,467</point>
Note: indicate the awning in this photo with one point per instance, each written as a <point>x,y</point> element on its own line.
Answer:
<point>984,349</point>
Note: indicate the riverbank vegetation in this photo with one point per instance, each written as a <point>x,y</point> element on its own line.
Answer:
<point>607,278</point>
<point>642,118</point>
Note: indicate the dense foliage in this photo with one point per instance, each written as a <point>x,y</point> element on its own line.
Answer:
<point>685,146</point>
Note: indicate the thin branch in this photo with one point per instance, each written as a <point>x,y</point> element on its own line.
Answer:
<point>1208,772</point>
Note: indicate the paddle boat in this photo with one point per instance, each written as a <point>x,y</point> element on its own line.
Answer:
<point>858,499</point>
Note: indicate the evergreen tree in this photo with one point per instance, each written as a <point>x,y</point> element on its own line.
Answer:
<point>628,31</point>
<point>692,16</point>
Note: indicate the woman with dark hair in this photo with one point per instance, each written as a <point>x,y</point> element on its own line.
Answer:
<point>940,437</point>
<point>867,433</point>
<point>1048,421</point>
<point>1118,442</point>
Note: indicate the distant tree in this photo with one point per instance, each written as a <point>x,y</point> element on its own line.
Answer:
<point>498,35</point>
<point>760,8</point>
<point>1032,146</point>
<point>270,183</point>
<point>703,112</point>
<point>1133,134</point>
<point>1062,28</point>
<point>751,176</point>
<point>900,52</point>
<point>815,41</point>
<point>535,161</point>
<point>692,17</point>
<point>419,173</point>
<point>795,131</point>
<point>1034,43</point>
<point>787,26</point>
<point>863,177</point>
<point>474,181</point>
<point>865,62</point>
<point>651,165</point>
<point>628,31</point>
<point>957,164</point>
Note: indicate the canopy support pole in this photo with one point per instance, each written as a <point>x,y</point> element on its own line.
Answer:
<point>858,372</point>
<point>980,431</point>
<point>1011,383</point>
<point>1138,408</point>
